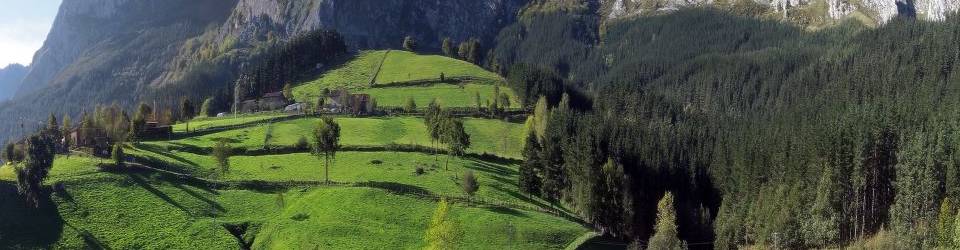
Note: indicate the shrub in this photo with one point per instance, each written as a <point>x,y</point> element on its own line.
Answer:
<point>221,151</point>
<point>300,217</point>
<point>302,143</point>
<point>118,155</point>
<point>470,184</point>
<point>420,171</point>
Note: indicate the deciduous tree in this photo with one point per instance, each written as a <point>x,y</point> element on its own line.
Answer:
<point>327,141</point>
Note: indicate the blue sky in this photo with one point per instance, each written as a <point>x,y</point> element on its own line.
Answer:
<point>24,25</point>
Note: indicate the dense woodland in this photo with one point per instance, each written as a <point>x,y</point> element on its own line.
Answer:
<point>765,133</point>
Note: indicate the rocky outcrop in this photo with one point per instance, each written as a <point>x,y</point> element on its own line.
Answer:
<point>100,44</point>
<point>374,23</point>
<point>880,10</point>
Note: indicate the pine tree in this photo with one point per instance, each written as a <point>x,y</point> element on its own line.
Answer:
<point>945,225</point>
<point>35,168</point>
<point>665,236</point>
<point>187,111</point>
<point>447,47</point>
<point>529,180</point>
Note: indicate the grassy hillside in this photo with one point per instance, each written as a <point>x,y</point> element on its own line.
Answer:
<point>210,122</point>
<point>142,210</point>
<point>361,75</point>
<point>447,95</point>
<point>382,202</point>
<point>332,219</point>
<point>404,66</point>
<point>487,136</point>
<point>131,211</point>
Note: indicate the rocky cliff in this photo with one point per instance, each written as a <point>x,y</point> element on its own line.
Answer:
<point>802,11</point>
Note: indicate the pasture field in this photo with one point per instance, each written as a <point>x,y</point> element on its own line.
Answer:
<point>487,136</point>
<point>131,211</point>
<point>405,66</point>
<point>448,95</point>
<point>332,219</point>
<point>358,74</point>
<point>141,210</point>
<point>439,177</point>
<point>212,122</point>
<point>355,74</point>
<point>64,167</point>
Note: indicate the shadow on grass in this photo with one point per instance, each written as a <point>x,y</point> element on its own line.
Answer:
<point>522,197</point>
<point>143,183</point>
<point>91,241</point>
<point>506,211</point>
<point>210,202</point>
<point>161,151</point>
<point>491,168</point>
<point>193,149</point>
<point>397,188</point>
<point>22,226</point>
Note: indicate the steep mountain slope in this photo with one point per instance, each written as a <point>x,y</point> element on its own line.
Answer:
<point>804,11</point>
<point>10,78</point>
<point>104,51</point>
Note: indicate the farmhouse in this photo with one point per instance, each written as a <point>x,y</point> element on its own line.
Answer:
<point>154,130</point>
<point>342,101</point>
<point>269,101</point>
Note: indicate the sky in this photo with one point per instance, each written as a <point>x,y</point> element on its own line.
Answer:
<point>24,25</point>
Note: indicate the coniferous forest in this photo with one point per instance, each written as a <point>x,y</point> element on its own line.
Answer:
<point>765,133</point>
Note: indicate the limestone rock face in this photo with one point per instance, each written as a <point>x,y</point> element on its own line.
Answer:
<point>880,10</point>
<point>375,23</point>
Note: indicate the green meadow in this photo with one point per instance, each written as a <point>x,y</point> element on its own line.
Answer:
<point>448,95</point>
<point>402,67</point>
<point>386,181</point>
<point>487,136</point>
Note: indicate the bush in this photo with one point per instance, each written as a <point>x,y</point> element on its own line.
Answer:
<point>119,158</point>
<point>222,151</point>
<point>300,217</point>
<point>420,171</point>
<point>302,143</point>
<point>470,184</point>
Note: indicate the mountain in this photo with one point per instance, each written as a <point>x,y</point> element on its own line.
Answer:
<point>103,51</point>
<point>10,79</point>
<point>801,11</point>
<point>124,51</point>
